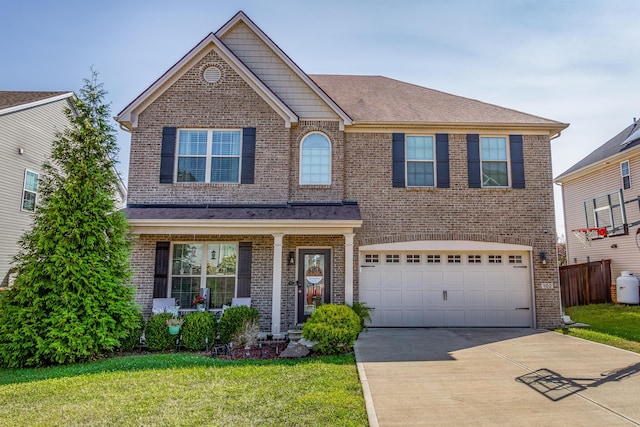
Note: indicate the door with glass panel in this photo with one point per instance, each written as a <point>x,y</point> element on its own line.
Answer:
<point>314,277</point>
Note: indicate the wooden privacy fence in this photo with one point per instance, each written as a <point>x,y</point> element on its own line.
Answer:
<point>582,284</point>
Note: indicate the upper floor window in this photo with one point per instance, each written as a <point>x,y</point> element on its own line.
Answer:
<point>420,161</point>
<point>315,160</point>
<point>209,156</point>
<point>30,191</point>
<point>494,163</point>
<point>626,175</point>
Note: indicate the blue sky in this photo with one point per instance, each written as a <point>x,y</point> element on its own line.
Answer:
<point>574,61</point>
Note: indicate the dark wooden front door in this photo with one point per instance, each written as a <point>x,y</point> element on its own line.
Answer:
<point>314,275</point>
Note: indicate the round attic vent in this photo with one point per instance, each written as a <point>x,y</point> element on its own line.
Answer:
<point>212,74</point>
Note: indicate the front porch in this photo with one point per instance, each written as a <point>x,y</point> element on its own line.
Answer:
<point>269,258</point>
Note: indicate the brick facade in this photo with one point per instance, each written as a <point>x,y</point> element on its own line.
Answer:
<point>361,171</point>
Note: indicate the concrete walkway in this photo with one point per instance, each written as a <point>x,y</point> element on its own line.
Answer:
<point>495,377</point>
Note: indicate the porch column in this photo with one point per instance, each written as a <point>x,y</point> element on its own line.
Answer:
<point>277,283</point>
<point>348,268</point>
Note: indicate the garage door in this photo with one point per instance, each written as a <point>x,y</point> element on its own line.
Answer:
<point>472,289</point>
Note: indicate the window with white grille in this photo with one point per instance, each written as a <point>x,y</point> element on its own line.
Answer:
<point>495,259</point>
<point>392,259</point>
<point>474,259</point>
<point>413,259</point>
<point>454,259</point>
<point>433,259</point>
<point>371,259</point>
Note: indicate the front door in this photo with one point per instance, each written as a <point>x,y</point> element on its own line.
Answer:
<point>314,276</point>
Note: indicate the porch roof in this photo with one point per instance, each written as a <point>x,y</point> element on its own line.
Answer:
<point>290,218</point>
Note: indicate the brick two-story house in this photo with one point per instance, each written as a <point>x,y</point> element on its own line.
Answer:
<point>254,179</point>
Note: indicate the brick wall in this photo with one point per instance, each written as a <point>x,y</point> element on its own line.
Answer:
<point>228,104</point>
<point>361,171</point>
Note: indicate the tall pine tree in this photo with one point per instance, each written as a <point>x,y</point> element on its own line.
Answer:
<point>72,298</point>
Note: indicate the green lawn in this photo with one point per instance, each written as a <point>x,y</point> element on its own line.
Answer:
<point>185,390</point>
<point>615,325</point>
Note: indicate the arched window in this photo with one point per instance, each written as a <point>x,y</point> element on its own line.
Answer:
<point>315,160</point>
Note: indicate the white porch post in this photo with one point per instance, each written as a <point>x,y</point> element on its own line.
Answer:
<point>348,268</point>
<point>277,283</point>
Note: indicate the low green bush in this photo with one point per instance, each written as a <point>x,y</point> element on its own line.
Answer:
<point>157,334</point>
<point>198,329</point>
<point>334,328</point>
<point>233,320</point>
<point>133,337</point>
<point>364,313</point>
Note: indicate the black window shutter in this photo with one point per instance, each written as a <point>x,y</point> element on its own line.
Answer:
<point>517,161</point>
<point>168,151</point>
<point>161,274</point>
<point>473,160</point>
<point>245,253</point>
<point>398,159</point>
<point>248,155</point>
<point>442,159</point>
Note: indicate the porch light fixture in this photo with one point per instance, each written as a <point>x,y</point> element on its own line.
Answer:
<point>213,254</point>
<point>543,258</point>
<point>292,258</point>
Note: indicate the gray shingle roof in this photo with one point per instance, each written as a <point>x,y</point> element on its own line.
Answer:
<point>384,100</point>
<point>322,212</point>
<point>15,98</point>
<point>610,148</point>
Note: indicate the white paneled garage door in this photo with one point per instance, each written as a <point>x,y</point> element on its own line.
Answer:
<point>420,288</point>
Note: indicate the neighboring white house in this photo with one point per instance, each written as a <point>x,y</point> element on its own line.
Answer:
<point>28,125</point>
<point>602,191</point>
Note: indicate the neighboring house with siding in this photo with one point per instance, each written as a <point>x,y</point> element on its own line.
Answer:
<point>29,121</point>
<point>28,124</point>
<point>601,191</point>
<point>253,179</point>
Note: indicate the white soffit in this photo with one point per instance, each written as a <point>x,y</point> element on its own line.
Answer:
<point>445,245</point>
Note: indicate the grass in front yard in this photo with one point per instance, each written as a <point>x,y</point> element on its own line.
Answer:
<point>184,390</point>
<point>615,325</point>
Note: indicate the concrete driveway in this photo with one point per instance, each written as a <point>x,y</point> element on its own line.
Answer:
<point>490,377</point>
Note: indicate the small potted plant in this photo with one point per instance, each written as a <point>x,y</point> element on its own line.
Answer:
<point>199,301</point>
<point>174,325</point>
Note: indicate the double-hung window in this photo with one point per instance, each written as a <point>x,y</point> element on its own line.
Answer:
<point>30,191</point>
<point>204,265</point>
<point>420,160</point>
<point>315,160</point>
<point>209,156</point>
<point>495,167</point>
<point>626,175</point>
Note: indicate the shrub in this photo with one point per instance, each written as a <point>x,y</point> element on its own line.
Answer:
<point>197,328</point>
<point>333,327</point>
<point>134,333</point>
<point>157,334</point>
<point>364,313</point>
<point>233,320</point>
<point>247,336</point>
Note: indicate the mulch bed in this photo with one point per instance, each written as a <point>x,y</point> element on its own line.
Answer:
<point>263,351</point>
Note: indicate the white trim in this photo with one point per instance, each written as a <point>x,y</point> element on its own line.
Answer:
<point>348,268</point>
<point>246,226</point>
<point>15,108</point>
<point>24,189</point>
<point>622,175</point>
<point>507,160</point>
<point>241,17</point>
<point>300,160</point>
<point>446,245</point>
<point>203,270</point>
<point>209,156</point>
<point>129,115</point>
<point>434,161</point>
<point>277,283</point>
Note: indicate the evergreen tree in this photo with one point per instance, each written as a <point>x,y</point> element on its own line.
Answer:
<point>72,299</point>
